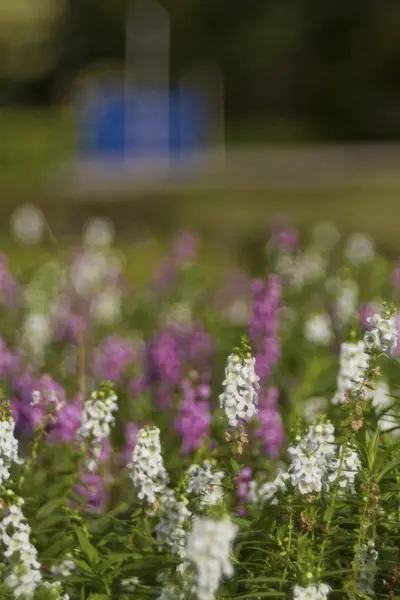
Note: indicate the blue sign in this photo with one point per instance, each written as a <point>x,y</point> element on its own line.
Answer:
<point>116,124</point>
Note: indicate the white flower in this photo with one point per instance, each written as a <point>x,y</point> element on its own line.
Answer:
<point>367,568</point>
<point>8,449</point>
<point>148,473</point>
<point>106,307</point>
<point>130,583</point>
<point>311,592</point>
<point>99,233</point>
<point>318,330</point>
<point>205,484</point>
<point>24,576</point>
<point>383,334</point>
<point>170,528</point>
<point>56,588</point>
<point>310,266</point>
<point>28,224</point>
<point>263,492</point>
<point>89,271</point>
<point>208,548</point>
<point>238,312</point>
<point>240,396</point>
<point>37,332</point>
<point>65,567</point>
<point>97,419</point>
<point>360,249</point>
<point>353,363</point>
<point>350,466</point>
<point>347,301</point>
<point>315,463</point>
<point>179,314</point>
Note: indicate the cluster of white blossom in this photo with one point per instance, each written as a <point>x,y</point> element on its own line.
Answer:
<point>97,419</point>
<point>344,293</point>
<point>360,249</point>
<point>311,469</point>
<point>184,587</point>
<point>317,462</point>
<point>25,575</point>
<point>350,466</point>
<point>311,592</point>
<point>302,269</point>
<point>367,568</point>
<point>209,547</point>
<point>8,448</point>
<point>36,333</point>
<point>315,465</point>
<point>318,329</point>
<point>265,491</point>
<point>148,473</point>
<point>65,567</point>
<point>205,484</point>
<point>130,583</point>
<point>240,396</point>
<point>382,336</point>
<point>170,529</point>
<point>353,363</point>
<point>56,588</point>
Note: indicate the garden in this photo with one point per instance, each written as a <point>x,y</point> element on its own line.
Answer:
<point>186,426</point>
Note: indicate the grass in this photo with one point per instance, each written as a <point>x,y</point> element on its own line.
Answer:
<point>34,143</point>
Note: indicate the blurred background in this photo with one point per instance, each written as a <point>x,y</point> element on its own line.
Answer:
<point>209,115</point>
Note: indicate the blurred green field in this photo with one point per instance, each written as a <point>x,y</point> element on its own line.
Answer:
<point>34,144</point>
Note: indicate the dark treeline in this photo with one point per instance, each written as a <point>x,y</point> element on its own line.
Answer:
<point>332,65</point>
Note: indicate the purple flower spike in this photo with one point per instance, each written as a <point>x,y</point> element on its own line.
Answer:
<point>263,325</point>
<point>270,429</point>
<point>112,358</point>
<point>193,422</point>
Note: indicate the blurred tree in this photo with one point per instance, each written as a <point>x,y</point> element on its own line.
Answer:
<point>333,66</point>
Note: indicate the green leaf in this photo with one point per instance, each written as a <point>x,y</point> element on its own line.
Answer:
<point>86,546</point>
<point>49,507</point>
<point>83,565</point>
<point>235,466</point>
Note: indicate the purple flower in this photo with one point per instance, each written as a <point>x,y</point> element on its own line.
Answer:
<point>200,349</point>
<point>193,421</point>
<point>185,246</point>
<point>10,361</point>
<point>28,416</point>
<point>242,488</point>
<point>137,386</point>
<point>175,353</point>
<point>283,234</point>
<point>270,428</point>
<point>131,431</point>
<point>263,325</point>
<point>366,311</point>
<point>165,277</point>
<point>112,358</point>
<point>68,421</point>
<point>164,357</point>
<point>69,327</point>
<point>93,493</point>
